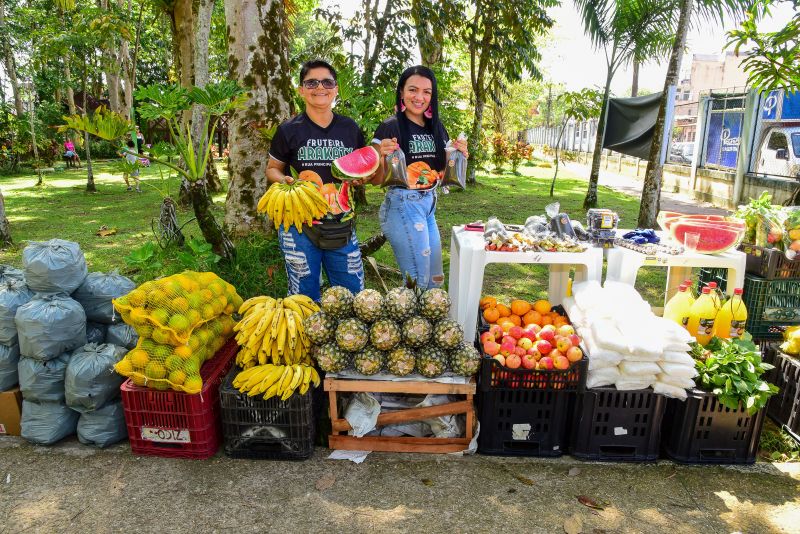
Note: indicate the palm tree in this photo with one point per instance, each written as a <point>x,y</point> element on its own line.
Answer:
<point>625,30</point>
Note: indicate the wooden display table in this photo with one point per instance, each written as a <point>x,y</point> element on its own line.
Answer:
<point>340,440</point>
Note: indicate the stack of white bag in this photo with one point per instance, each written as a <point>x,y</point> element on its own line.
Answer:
<point>629,346</point>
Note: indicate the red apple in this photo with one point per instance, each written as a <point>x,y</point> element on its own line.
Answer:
<point>563,344</point>
<point>566,330</point>
<point>535,353</point>
<point>547,334</point>
<point>545,363</point>
<point>515,332</point>
<point>525,343</point>
<point>575,340</point>
<point>500,358</point>
<point>513,361</point>
<point>519,351</point>
<point>528,361</point>
<point>507,348</point>
<point>509,339</point>
<point>496,330</point>
<point>486,336</point>
<point>561,362</point>
<point>544,346</point>
<point>492,348</point>
<point>533,327</point>
<point>575,354</point>
<point>554,353</point>
<point>529,334</point>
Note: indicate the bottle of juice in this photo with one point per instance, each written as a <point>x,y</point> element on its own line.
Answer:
<point>715,295</point>
<point>701,317</point>
<point>677,308</point>
<point>732,317</point>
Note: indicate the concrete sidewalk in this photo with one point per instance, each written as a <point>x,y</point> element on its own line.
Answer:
<point>633,187</point>
<point>74,488</point>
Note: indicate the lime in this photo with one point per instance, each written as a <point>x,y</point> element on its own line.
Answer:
<point>193,384</point>
<point>161,336</point>
<point>136,298</point>
<point>173,362</point>
<point>183,352</point>
<point>160,316</point>
<point>180,304</point>
<point>124,367</point>
<point>191,366</point>
<point>139,358</point>
<point>177,377</point>
<point>179,323</point>
<point>155,370</point>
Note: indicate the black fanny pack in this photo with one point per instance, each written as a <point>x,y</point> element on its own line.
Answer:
<point>330,235</point>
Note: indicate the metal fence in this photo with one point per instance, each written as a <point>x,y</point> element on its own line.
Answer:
<point>578,136</point>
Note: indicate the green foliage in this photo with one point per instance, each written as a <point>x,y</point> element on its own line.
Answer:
<point>778,446</point>
<point>501,151</point>
<point>731,370</point>
<point>103,123</point>
<point>368,107</point>
<point>199,257</point>
<point>581,105</point>
<point>519,152</point>
<point>258,267</point>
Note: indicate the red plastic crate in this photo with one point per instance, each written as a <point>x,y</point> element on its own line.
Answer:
<point>173,424</point>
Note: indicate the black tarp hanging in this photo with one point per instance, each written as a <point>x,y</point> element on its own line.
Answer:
<point>630,123</point>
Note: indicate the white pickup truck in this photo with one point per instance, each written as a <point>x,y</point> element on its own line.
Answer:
<point>779,154</point>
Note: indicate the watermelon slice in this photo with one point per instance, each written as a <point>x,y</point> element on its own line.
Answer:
<point>665,217</point>
<point>344,197</point>
<point>357,165</point>
<point>732,224</point>
<point>714,239</point>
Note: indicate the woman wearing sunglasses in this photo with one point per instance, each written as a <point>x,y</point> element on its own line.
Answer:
<point>308,143</point>
<point>408,214</point>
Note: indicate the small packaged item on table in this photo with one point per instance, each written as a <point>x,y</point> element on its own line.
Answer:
<point>602,225</point>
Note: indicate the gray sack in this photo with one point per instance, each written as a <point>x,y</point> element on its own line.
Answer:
<point>7,272</point>
<point>13,294</point>
<point>54,266</point>
<point>50,325</point>
<point>103,427</point>
<point>43,381</point>
<point>91,381</point>
<point>47,422</point>
<point>9,360</point>
<point>96,292</point>
<point>96,333</point>
<point>122,335</point>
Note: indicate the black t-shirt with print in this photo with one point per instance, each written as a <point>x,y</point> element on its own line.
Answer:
<point>419,146</point>
<point>306,146</point>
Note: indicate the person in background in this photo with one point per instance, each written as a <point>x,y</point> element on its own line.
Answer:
<point>408,215</point>
<point>70,154</point>
<point>139,141</point>
<point>132,160</point>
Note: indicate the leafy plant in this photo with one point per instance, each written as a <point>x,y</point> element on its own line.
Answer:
<point>778,446</point>
<point>501,152</point>
<point>519,152</point>
<point>731,370</point>
<point>759,216</point>
<point>144,256</point>
<point>199,257</point>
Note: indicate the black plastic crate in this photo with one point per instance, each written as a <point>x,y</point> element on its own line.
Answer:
<point>270,429</point>
<point>712,274</point>
<point>701,430</point>
<point>771,306</point>
<point>769,263</point>
<point>494,376</point>
<point>784,406</point>
<point>617,426</point>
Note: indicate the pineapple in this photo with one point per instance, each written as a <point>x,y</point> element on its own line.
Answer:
<point>447,334</point>
<point>434,304</point>
<point>337,301</point>
<point>464,360</point>
<point>384,334</point>
<point>400,303</point>
<point>431,362</point>
<point>369,361</point>
<point>368,305</point>
<point>352,335</point>
<point>401,361</point>
<point>416,332</point>
<point>331,358</point>
<point>320,328</point>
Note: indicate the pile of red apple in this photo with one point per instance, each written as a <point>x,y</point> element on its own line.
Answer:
<point>533,346</point>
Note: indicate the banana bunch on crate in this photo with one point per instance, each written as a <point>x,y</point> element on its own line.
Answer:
<point>276,380</point>
<point>272,331</point>
<point>293,204</point>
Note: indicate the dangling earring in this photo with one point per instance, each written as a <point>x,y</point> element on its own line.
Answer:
<point>402,106</point>
<point>428,113</point>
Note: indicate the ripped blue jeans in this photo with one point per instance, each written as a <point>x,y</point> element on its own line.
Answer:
<point>304,263</point>
<point>408,219</point>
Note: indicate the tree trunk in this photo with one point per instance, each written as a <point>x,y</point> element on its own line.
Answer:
<point>591,192</point>
<point>558,144</point>
<point>431,42</point>
<point>212,232</point>
<point>9,63</point>
<point>32,118</point>
<point>68,84</point>
<point>90,187</point>
<point>475,135</point>
<point>200,50</point>
<point>651,189</point>
<point>5,228</point>
<point>635,82</point>
<point>258,55</point>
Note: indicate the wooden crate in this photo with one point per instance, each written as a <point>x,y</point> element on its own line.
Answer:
<point>340,440</point>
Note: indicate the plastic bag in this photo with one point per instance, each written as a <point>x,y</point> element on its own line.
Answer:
<point>9,362</point>
<point>43,381</point>
<point>169,309</point>
<point>91,381</point>
<point>96,293</point>
<point>163,366</point>
<point>668,390</point>
<point>103,427</point>
<point>396,174</point>
<point>7,272</point>
<point>604,376</point>
<point>50,325</point>
<point>54,266</point>
<point>122,335</point>
<point>13,294</point>
<point>47,422</point>
<point>362,413</point>
<point>678,370</point>
<point>456,171</point>
<point>634,383</point>
<point>96,333</point>
<point>791,233</point>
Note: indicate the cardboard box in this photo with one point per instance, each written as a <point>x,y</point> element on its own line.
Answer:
<point>10,412</point>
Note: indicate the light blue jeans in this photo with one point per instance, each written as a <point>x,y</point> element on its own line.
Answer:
<point>408,219</point>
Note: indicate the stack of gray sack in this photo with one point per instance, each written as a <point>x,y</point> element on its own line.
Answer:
<point>104,325</point>
<point>13,294</point>
<point>92,389</point>
<point>49,327</point>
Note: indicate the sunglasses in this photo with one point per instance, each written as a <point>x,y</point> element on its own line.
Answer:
<point>327,83</point>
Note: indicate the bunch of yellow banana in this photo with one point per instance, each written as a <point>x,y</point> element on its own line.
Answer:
<point>271,330</point>
<point>276,380</point>
<point>295,204</point>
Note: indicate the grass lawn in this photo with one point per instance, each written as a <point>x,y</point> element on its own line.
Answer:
<point>62,208</point>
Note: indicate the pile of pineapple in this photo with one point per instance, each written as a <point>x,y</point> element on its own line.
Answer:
<point>402,332</point>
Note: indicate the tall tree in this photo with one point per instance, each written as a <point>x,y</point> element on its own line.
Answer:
<point>5,228</point>
<point>635,79</point>
<point>578,106</point>
<point>9,62</point>
<point>625,30</point>
<point>430,35</point>
<point>258,55</point>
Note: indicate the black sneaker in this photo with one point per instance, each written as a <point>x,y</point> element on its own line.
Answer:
<point>129,188</point>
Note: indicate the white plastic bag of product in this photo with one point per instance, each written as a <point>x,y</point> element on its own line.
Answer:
<point>677,381</point>
<point>678,370</point>
<point>674,333</point>
<point>672,346</point>
<point>639,368</point>
<point>669,391</point>
<point>606,335</point>
<point>54,266</point>
<point>682,358</point>
<point>633,383</point>
<point>605,376</point>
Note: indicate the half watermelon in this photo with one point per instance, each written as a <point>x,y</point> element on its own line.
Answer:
<point>716,237</point>
<point>357,165</point>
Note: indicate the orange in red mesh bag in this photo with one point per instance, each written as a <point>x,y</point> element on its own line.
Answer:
<point>169,309</point>
<point>162,366</point>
